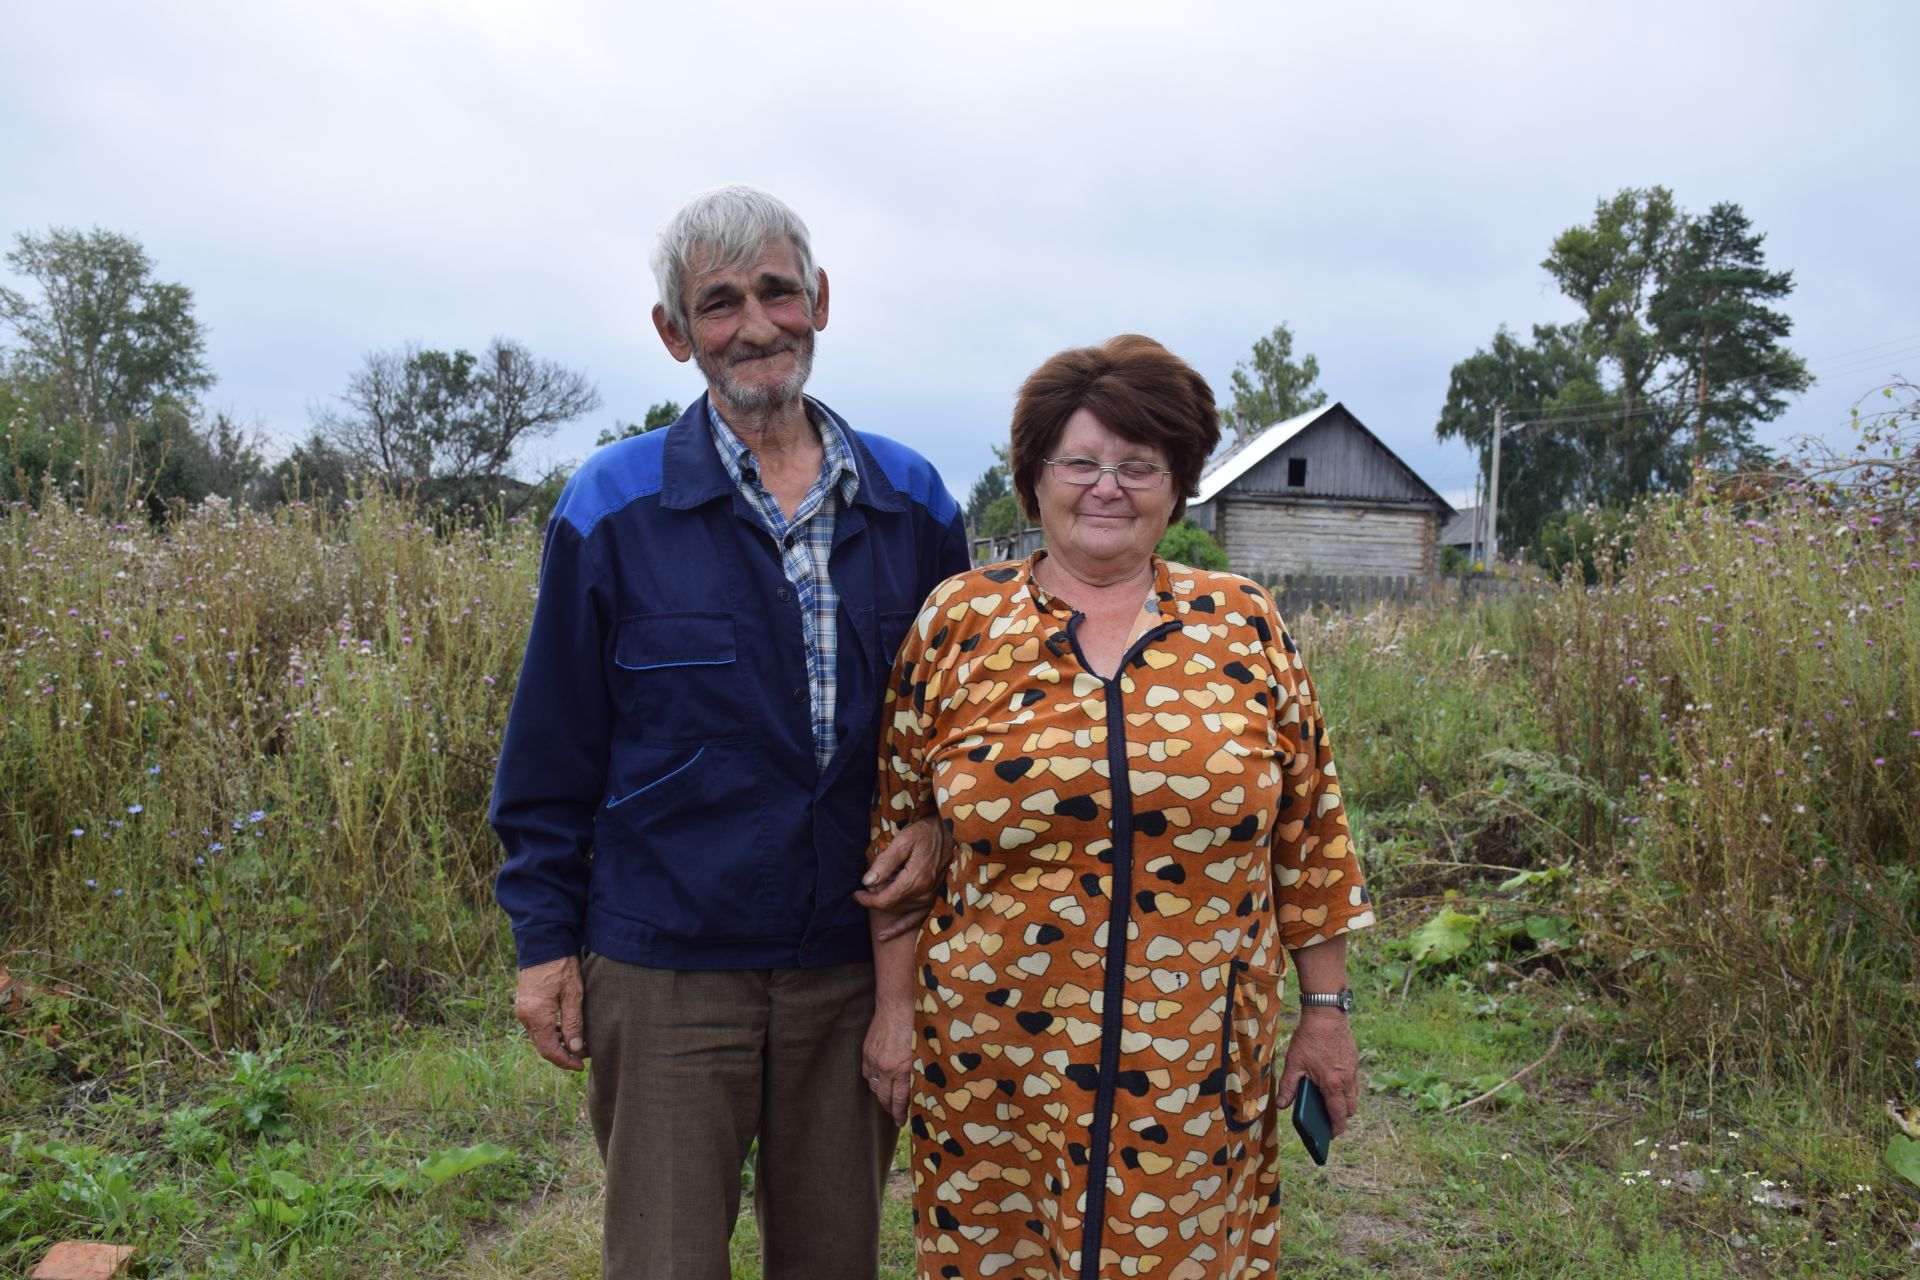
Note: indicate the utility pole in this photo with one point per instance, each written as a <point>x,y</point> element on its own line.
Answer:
<point>1478,533</point>
<point>1493,489</point>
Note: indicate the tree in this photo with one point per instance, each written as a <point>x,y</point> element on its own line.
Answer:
<point>315,469</point>
<point>664,414</point>
<point>1000,517</point>
<point>1271,387</point>
<point>1551,376</point>
<point>1674,358</point>
<point>448,424</point>
<point>1613,269</point>
<point>106,339</point>
<point>106,374</point>
<point>993,485</point>
<point>1712,320</point>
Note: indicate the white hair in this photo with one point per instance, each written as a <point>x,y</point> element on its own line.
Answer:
<point>733,224</point>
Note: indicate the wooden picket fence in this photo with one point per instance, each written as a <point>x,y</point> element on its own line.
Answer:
<point>1297,593</point>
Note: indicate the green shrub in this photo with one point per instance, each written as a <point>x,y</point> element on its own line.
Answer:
<point>1587,542</point>
<point>1187,543</point>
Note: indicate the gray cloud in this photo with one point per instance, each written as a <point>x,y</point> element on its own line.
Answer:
<point>985,184</point>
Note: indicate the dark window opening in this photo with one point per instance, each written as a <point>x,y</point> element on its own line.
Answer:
<point>1296,473</point>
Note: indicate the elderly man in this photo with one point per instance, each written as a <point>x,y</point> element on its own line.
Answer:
<point>683,788</point>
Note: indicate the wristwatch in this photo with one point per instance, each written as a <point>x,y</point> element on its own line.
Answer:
<point>1341,1000</point>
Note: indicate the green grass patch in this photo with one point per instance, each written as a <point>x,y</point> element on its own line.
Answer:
<point>1673,819</point>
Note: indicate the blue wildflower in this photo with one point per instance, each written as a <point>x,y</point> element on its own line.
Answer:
<point>153,771</point>
<point>135,808</point>
<point>258,815</point>
<point>78,832</point>
<point>118,892</point>
<point>92,884</point>
<point>215,847</point>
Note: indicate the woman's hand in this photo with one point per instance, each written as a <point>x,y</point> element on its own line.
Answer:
<point>886,1059</point>
<point>1322,1047</point>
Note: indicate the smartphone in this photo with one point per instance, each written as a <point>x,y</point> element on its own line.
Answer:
<point>1310,1120</point>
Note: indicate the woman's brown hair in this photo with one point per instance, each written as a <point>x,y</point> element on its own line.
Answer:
<point>1139,390</point>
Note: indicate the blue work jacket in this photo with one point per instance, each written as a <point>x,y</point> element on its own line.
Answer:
<point>658,793</point>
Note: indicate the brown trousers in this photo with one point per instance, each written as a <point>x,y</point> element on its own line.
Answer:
<point>688,1068</point>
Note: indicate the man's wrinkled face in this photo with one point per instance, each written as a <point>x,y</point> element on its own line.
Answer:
<point>751,328</point>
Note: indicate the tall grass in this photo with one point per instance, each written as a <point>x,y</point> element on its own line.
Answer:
<point>245,760</point>
<point>1446,759</point>
<point>1748,683</point>
<point>244,763</point>
<point>1720,740</point>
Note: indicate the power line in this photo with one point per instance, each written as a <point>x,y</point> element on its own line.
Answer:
<point>1839,364</point>
<point>1874,346</point>
<point>1614,415</point>
<point>1860,364</point>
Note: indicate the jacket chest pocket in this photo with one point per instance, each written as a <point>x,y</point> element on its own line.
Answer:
<point>677,677</point>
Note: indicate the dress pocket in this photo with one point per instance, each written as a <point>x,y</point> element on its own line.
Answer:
<point>1248,1041</point>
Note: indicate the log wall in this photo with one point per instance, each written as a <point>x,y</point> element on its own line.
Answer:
<point>1268,540</point>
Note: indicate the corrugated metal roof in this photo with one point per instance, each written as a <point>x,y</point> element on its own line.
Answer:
<point>1249,453</point>
<point>1461,529</point>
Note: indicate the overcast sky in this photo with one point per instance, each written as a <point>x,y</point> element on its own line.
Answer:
<point>986,183</point>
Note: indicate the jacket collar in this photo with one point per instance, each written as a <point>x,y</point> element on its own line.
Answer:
<point>692,473</point>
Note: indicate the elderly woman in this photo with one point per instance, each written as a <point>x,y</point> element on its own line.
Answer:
<point>1134,768</point>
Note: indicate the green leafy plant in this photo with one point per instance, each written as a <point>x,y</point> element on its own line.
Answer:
<point>1446,936</point>
<point>261,1096</point>
<point>1432,1091</point>
<point>188,1135</point>
<point>85,1186</point>
<point>1903,1157</point>
<point>454,1161</point>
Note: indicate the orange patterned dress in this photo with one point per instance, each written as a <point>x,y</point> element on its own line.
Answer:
<point>1097,997</point>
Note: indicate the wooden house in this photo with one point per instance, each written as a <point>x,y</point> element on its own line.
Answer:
<point>1320,494</point>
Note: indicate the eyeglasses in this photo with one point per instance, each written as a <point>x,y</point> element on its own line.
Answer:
<point>1130,474</point>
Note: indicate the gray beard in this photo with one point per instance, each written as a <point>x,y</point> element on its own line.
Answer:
<point>752,399</point>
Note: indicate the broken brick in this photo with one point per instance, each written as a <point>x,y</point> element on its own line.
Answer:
<point>74,1260</point>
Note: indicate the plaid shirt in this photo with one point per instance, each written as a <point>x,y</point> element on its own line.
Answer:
<point>805,543</point>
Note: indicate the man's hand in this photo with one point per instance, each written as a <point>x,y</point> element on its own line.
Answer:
<point>1322,1047</point>
<point>886,1059</point>
<point>902,881</point>
<point>550,1005</point>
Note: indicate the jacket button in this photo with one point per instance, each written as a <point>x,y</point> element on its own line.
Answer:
<point>800,695</point>
<point>785,594</point>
